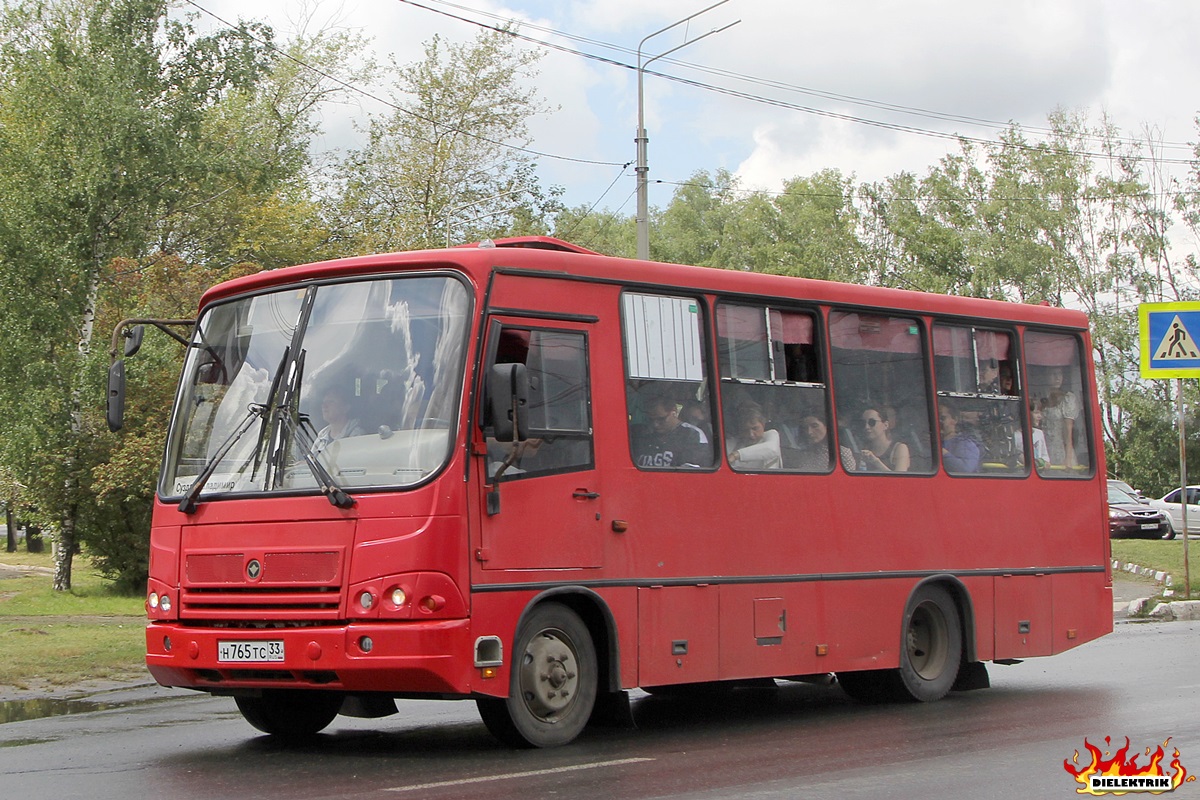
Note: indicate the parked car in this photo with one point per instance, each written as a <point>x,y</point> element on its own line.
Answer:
<point>1174,507</point>
<point>1130,519</point>
<point>1125,487</point>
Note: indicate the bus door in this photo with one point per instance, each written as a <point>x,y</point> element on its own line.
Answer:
<point>542,500</point>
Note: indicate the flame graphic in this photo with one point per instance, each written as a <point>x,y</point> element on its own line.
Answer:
<point>1120,764</point>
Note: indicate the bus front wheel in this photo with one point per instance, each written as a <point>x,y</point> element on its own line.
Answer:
<point>933,646</point>
<point>553,682</point>
<point>290,714</point>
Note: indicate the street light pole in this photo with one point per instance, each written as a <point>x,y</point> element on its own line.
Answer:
<point>643,169</point>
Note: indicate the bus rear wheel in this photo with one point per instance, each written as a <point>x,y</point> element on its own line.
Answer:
<point>933,646</point>
<point>290,714</point>
<point>553,682</point>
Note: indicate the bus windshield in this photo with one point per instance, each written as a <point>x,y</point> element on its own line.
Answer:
<point>362,377</point>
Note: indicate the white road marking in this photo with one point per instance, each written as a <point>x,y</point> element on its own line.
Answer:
<point>511,775</point>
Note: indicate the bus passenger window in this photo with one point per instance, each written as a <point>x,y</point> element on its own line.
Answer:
<point>880,386</point>
<point>979,405</point>
<point>1057,390</point>
<point>559,407</point>
<point>773,392</point>
<point>668,394</point>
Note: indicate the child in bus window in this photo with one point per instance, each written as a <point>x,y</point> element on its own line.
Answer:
<point>1041,454</point>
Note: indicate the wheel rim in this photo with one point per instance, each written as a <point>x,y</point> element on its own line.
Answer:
<point>928,641</point>
<point>549,675</point>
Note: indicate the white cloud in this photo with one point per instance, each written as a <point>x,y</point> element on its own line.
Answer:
<point>997,60</point>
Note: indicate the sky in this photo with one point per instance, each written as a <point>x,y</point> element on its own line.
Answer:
<point>867,87</point>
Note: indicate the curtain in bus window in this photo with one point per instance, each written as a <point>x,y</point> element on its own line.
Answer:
<point>668,395</point>
<point>1058,392</point>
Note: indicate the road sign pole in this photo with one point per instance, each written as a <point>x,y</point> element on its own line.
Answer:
<point>1183,492</point>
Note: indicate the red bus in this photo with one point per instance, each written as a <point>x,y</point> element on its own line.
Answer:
<point>531,475</point>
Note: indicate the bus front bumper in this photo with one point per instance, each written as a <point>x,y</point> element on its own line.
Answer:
<point>430,657</point>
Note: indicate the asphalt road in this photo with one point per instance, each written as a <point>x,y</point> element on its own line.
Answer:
<point>796,741</point>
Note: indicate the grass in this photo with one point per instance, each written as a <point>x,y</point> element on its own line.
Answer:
<point>52,639</point>
<point>1164,555</point>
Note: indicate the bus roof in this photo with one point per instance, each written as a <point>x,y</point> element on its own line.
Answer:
<point>554,256</point>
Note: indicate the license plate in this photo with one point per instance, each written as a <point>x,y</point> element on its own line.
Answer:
<point>247,652</point>
<point>1149,526</point>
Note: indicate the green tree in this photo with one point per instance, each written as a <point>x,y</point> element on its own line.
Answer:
<point>123,135</point>
<point>448,163</point>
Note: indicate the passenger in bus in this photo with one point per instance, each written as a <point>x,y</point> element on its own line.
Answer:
<point>961,452</point>
<point>335,410</point>
<point>882,452</point>
<point>989,376</point>
<point>1008,381</point>
<point>814,454</point>
<point>667,441</point>
<point>757,446</point>
<point>695,413</point>
<point>1060,409</point>
<point>1041,454</point>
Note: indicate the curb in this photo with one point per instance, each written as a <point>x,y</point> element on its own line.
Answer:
<point>1171,611</point>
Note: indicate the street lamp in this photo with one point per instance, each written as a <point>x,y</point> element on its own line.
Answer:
<point>643,170</point>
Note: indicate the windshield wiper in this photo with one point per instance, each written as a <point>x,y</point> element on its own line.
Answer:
<point>337,496</point>
<point>188,504</point>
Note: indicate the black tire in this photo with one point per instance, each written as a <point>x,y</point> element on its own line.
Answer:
<point>290,714</point>
<point>1170,534</point>
<point>552,687</point>
<point>932,647</point>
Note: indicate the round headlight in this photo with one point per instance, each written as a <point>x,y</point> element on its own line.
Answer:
<point>366,600</point>
<point>165,603</point>
<point>152,600</point>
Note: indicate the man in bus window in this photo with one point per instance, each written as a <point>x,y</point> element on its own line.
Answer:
<point>667,441</point>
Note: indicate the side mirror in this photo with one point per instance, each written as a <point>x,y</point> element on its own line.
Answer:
<point>115,407</point>
<point>133,339</point>
<point>508,397</point>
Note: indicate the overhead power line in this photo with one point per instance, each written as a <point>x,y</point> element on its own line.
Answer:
<point>900,128</point>
<point>394,106</point>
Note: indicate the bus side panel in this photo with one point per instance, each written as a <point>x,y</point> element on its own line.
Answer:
<point>1076,601</point>
<point>863,620</point>
<point>769,629</point>
<point>677,634</point>
<point>1024,615</point>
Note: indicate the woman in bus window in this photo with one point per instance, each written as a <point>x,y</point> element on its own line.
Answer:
<point>881,453</point>
<point>1060,409</point>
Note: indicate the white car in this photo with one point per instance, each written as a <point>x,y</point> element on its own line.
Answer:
<point>1174,508</point>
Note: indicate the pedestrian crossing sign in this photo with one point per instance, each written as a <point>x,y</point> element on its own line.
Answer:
<point>1170,340</point>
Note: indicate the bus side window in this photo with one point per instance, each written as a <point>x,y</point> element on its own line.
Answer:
<point>1057,392</point>
<point>668,394</point>
<point>559,407</point>
<point>773,393</point>
<point>979,404</point>
<point>880,390</point>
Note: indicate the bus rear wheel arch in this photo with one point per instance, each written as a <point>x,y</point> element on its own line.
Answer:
<point>931,652</point>
<point>553,681</point>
